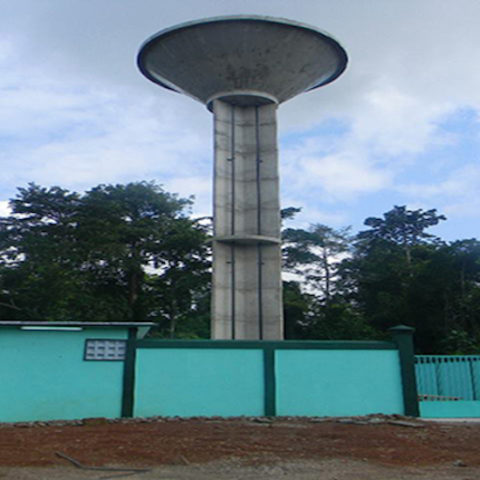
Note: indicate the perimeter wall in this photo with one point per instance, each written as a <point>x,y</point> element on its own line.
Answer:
<point>304,378</point>
<point>47,375</point>
<point>267,378</point>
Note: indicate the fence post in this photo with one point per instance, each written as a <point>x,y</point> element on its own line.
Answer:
<point>269,376</point>
<point>129,374</point>
<point>403,338</point>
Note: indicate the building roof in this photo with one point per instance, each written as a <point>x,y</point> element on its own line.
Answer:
<point>12,323</point>
<point>142,328</point>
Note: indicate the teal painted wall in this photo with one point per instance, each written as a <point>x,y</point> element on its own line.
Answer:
<point>44,377</point>
<point>458,409</point>
<point>338,382</point>
<point>199,382</point>
<point>230,382</point>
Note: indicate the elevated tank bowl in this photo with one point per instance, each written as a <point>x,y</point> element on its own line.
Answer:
<point>243,60</point>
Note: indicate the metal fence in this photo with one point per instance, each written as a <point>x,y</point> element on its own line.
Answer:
<point>448,377</point>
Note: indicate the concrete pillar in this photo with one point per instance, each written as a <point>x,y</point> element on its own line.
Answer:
<point>247,288</point>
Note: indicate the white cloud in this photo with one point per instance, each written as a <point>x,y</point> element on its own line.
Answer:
<point>75,111</point>
<point>4,209</point>
<point>396,122</point>
<point>456,195</point>
<point>310,215</point>
<point>341,175</point>
<point>198,186</point>
<point>77,136</point>
<point>344,174</point>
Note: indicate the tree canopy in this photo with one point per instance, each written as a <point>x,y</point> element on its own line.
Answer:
<point>132,253</point>
<point>395,272</point>
<point>103,255</point>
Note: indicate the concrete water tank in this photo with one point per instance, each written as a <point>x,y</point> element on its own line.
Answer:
<point>242,68</point>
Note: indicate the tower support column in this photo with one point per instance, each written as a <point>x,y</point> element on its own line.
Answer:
<point>247,286</point>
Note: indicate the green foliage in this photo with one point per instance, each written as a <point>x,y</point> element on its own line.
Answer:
<point>402,227</point>
<point>315,254</point>
<point>317,310</point>
<point>459,342</point>
<point>289,212</point>
<point>340,321</point>
<point>118,252</point>
<point>393,273</point>
<point>307,317</point>
<point>403,275</point>
<point>296,310</point>
<point>131,252</point>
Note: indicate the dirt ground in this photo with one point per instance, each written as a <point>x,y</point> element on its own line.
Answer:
<point>375,447</point>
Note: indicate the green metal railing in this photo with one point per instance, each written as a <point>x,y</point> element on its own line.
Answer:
<point>448,377</point>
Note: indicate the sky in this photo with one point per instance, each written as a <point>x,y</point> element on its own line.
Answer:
<point>399,127</point>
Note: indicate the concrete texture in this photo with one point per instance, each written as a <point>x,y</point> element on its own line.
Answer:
<point>260,57</point>
<point>242,67</point>
<point>247,298</point>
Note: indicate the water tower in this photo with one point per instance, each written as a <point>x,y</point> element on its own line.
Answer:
<point>242,68</point>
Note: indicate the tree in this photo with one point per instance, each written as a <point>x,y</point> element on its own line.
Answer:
<point>130,228</point>
<point>458,269</point>
<point>315,254</point>
<point>401,274</point>
<point>180,289</point>
<point>297,310</point>
<point>387,262</point>
<point>98,256</point>
<point>315,307</point>
<point>36,251</point>
<point>402,227</point>
<point>289,213</point>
